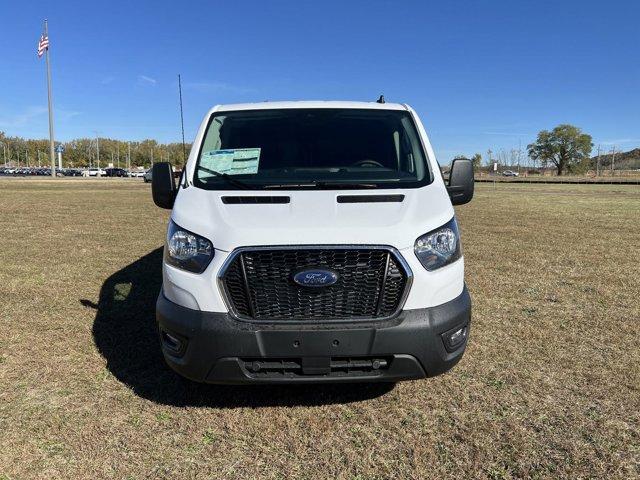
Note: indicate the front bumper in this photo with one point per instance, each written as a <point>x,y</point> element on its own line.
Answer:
<point>216,348</point>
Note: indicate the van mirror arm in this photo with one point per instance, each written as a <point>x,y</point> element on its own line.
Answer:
<point>461,182</point>
<point>163,185</point>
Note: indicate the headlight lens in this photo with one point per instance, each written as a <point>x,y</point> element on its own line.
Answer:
<point>440,247</point>
<point>187,250</point>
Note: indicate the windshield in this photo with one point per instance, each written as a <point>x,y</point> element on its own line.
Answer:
<point>311,148</point>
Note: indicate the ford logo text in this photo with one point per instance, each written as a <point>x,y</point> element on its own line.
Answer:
<point>315,278</point>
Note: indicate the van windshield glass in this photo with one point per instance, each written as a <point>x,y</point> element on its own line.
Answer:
<point>311,148</point>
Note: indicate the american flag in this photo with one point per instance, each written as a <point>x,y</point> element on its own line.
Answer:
<point>43,45</point>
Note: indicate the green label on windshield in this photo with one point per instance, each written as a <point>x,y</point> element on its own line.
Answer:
<point>236,161</point>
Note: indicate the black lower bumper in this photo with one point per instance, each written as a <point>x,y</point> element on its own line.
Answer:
<point>215,348</point>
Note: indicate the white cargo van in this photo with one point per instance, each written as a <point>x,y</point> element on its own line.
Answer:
<point>312,242</point>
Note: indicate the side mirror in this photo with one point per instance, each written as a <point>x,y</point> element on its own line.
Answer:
<point>163,186</point>
<point>460,186</point>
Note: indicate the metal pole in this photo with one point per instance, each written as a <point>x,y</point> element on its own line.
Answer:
<point>50,99</point>
<point>129,156</point>
<point>98,154</point>
<point>184,148</point>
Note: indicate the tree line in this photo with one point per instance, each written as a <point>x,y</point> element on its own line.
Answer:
<point>83,152</point>
<point>565,148</point>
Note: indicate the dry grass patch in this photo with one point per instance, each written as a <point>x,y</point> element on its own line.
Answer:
<point>549,387</point>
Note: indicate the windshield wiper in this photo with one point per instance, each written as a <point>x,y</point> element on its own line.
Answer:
<point>345,185</point>
<point>321,185</point>
<point>228,178</point>
<point>288,185</point>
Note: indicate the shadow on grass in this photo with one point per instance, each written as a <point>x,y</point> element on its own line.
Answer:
<point>125,333</point>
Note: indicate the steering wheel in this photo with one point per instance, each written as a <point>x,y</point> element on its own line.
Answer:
<point>367,163</point>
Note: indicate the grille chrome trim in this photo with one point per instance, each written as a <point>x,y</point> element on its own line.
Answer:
<point>391,250</point>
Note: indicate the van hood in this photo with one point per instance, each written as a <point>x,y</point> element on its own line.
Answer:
<point>313,217</point>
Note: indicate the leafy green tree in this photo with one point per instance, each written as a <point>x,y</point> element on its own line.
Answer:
<point>477,162</point>
<point>565,147</point>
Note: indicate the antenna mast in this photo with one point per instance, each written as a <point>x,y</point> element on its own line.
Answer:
<point>184,148</point>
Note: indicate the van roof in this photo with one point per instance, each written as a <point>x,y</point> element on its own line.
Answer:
<point>308,104</point>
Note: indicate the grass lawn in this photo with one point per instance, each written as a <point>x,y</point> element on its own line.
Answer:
<point>549,386</point>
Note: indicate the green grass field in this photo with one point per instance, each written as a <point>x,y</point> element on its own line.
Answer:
<point>549,386</point>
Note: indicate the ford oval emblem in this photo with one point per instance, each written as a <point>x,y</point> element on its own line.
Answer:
<point>315,278</point>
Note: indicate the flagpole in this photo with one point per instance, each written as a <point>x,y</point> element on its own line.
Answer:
<point>184,149</point>
<point>51,142</point>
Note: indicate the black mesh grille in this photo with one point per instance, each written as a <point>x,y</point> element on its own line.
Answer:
<point>259,284</point>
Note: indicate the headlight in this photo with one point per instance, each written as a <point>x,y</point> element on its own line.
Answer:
<point>187,250</point>
<point>440,247</point>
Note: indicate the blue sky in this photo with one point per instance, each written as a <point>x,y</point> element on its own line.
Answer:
<point>481,74</point>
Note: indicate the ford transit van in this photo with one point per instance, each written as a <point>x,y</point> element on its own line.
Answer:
<point>312,242</point>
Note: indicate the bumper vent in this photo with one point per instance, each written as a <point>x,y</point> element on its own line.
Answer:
<point>295,367</point>
<point>371,283</point>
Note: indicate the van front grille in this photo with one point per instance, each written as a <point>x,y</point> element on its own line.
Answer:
<point>371,283</point>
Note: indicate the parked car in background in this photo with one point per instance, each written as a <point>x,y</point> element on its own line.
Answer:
<point>93,172</point>
<point>72,172</point>
<point>510,173</point>
<point>115,172</point>
<point>147,176</point>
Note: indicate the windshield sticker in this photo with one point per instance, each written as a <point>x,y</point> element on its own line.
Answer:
<point>236,161</point>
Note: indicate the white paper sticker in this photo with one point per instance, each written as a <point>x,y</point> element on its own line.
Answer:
<point>236,161</point>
